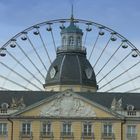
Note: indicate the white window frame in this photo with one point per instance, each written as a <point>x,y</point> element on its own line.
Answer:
<point>78,41</point>
<point>64,41</point>
<point>26,132</point>
<point>46,127</point>
<point>68,125</point>
<point>108,132</point>
<point>71,41</point>
<point>131,131</point>
<point>87,129</point>
<point>3,129</point>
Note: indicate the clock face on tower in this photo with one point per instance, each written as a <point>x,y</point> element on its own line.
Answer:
<point>52,72</point>
<point>89,72</point>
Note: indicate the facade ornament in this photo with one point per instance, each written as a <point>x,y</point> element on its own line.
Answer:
<point>113,104</point>
<point>17,103</point>
<point>68,105</point>
<point>119,104</point>
<point>116,105</point>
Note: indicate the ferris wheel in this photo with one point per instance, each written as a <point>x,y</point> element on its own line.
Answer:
<point>26,57</point>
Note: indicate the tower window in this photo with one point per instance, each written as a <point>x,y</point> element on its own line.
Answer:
<point>64,40</point>
<point>78,41</point>
<point>71,41</point>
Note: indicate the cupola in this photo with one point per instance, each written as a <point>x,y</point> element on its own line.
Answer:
<point>71,38</point>
<point>71,69</point>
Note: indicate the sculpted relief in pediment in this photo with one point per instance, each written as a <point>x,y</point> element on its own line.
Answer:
<point>67,105</point>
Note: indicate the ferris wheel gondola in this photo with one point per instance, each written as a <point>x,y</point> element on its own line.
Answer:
<point>26,57</point>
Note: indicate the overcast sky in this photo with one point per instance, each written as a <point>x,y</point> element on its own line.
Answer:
<point>120,15</point>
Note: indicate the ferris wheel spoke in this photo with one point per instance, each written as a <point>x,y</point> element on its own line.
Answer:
<point>31,79</point>
<point>120,74</point>
<point>53,40</point>
<point>45,48</point>
<point>124,83</point>
<point>11,81</point>
<point>129,91</point>
<point>24,67</point>
<point>109,59</point>
<point>2,88</point>
<point>102,52</point>
<point>30,72</point>
<point>85,38</point>
<point>94,46</point>
<point>18,74</point>
<point>37,54</point>
<point>114,67</point>
<point>49,29</point>
<point>30,60</point>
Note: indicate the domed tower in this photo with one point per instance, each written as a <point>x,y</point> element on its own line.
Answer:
<point>71,69</point>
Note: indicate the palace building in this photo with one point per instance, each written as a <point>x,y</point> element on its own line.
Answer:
<point>70,108</point>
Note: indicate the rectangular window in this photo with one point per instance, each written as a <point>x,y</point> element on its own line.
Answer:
<point>66,128</point>
<point>46,128</point>
<point>87,129</point>
<point>131,130</point>
<point>3,128</point>
<point>107,129</point>
<point>26,128</point>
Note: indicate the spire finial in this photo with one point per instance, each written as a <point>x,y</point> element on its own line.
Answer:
<point>72,17</point>
<point>72,10</point>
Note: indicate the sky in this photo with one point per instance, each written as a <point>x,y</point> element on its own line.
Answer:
<point>121,15</point>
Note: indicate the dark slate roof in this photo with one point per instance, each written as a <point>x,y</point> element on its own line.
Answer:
<point>104,99</point>
<point>30,97</point>
<point>70,69</point>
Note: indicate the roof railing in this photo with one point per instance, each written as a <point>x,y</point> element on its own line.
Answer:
<point>71,48</point>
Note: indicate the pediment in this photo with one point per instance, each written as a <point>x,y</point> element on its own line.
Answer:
<point>66,104</point>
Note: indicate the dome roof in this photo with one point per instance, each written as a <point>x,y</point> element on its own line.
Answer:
<point>72,28</point>
<point>71,69</point>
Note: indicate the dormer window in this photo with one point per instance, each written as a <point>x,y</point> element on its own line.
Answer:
<point>131,110</point>
<point>130,107</point>
<point>71,41</point>
<point>4,107</point>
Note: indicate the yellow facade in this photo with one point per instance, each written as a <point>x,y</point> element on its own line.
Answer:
<point>98,122</point>
<point>76,88</point>
<point>77,126</point>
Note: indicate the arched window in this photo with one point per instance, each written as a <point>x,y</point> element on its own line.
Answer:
<point>4,107</point>
<point>131,110</point>
<point>130,107</point>
<point>71,41</point>
<point>78,41</point>
<point>64,41</point>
